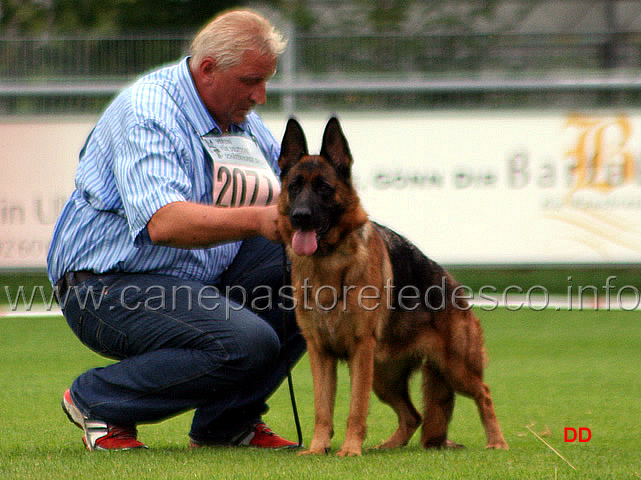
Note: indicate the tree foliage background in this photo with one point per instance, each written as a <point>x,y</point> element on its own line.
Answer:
<point>38,17</point>
<point>101,17</point>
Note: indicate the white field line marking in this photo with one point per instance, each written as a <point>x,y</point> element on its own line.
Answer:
<point>514,303</point>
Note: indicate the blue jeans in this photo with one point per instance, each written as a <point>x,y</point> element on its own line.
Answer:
<point>184,344</point>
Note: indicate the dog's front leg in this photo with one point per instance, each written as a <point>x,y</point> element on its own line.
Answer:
<point>361,368</point>
<point>324,376</point>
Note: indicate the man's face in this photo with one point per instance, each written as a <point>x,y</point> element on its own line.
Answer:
<point>230,94</point>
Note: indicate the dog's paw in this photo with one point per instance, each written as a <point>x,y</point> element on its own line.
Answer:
<point>497,446</point>
<point>452,445</point>
<point>320,451</point>
<point>349,452</point>
<point>446,445</point>
<point>389,444</point>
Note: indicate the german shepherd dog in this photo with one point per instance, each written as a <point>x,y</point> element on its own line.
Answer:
<point>367,295</point>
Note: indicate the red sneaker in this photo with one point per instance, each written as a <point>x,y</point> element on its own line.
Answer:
<point>260,436</point>
<point>99,435</point>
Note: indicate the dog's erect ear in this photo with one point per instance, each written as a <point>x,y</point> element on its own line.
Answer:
<point>293,146</point>
<point>336,149</point>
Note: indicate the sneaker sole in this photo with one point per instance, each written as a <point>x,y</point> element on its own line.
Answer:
<point>194,445</point>
<point>73,414</point>
<point>76,417</point>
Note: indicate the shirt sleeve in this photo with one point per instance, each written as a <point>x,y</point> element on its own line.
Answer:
<point>152,170</point>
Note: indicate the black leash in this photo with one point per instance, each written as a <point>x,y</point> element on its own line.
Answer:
<point>290,381</point>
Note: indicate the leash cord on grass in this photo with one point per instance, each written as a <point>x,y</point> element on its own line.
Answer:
<point>290,381</point>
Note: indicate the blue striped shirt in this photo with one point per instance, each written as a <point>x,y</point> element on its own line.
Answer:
<point>145,152</point>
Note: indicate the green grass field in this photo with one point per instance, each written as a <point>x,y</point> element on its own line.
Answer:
<point>548,370</point>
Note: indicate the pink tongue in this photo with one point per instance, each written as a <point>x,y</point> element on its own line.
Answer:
<point>304,243</point>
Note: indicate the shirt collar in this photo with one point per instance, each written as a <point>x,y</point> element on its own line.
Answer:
<point>203,122</point>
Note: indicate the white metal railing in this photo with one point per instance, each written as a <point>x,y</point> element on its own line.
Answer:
<point>65,68</point>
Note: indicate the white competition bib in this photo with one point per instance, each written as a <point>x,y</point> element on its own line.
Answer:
<point>242,176</point>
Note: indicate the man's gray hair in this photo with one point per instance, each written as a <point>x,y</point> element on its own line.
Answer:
<point>228,36</point>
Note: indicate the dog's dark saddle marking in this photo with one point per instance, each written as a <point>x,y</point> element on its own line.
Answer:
<point>419,282</point>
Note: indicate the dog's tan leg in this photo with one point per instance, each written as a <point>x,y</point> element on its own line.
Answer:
<point>391,385</point>
<point>468,383</point>
<point>324,377</point>
<point>488,416</point>
<point>464,371</point>
<point>361,368</point>
<point>439,404</point>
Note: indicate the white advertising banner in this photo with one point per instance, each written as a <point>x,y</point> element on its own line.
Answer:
<point>505,187</point>
<point>38,158</point>
<point>480,187</point>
